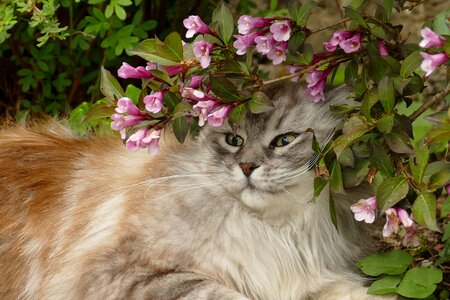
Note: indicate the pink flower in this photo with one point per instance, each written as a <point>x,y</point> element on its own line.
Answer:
<point>125,105</point>
<point>196,81</point>
<point>365,209</point>
<point>404,218</point>
<point>248,23</point>
<point>120,121</point>
<point>432,61</point>
<point>447,188</point>
<point>154,102</point>
<point>134,142</point>
<point>264,44</point>
<point>382,49</point>
<point>202,109</point>
<point>352,44</point>
<point>410,236</point>
<point>202,50</point>
<point>316,83</point>
<point>193,94</point>
<point>195,25</point>
<point>278,53</point>
<point>292,69</point>
<point>127,71</point>
<point>244,41</point>
<point>281,31</point>
<point>430,38</point>
<point>391,225</point>
<point>151,141</point>
<point>337,37</point>
<point>217,118</point>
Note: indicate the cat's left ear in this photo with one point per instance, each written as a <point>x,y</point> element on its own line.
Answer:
<point>340,95</point>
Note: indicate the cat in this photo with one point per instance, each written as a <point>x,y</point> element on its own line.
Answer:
<point>226,215</point>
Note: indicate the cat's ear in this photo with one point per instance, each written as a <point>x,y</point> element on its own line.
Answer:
<point>341,95</point>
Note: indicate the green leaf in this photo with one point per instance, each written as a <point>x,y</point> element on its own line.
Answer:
<point>424,210</point>
<point>378,32</point>
<point>319,184</point>
<point>388,5</point>
<point>351,72</point>
<point>399,142</point>
<point>378,67</point>
<point>259,103</point>
<point>224,89</point>
<point>410,64</point>
<point>418,161</point>
<point>385,285</point>
<point>174,46</point>
<point>385,123</point>
<point>332,208</point>
<point>182,109</point>
<point>133,93</point>
<point>344,141</point>
<point>304,12</point>
<point>296,41</point>
<point>347,158</point>
<point>294,9</point>
<point>446,234</point>
<point>237,114</point>
<point>391,191</point>
<point>355,176</point>
<point>441,23</point>
<point>171,100</point>
<point>369,100</point>
<point>336,182</point>
<point>223,16</point>
<point>355,16</point>
<point>445,208</point>
<point>419,282</point>
<point>180,129</point>
<point>160,74</point>
<point>147,50</point>
<point>381,161</point>
<point>109,86</point>
<point>387,95</point>
<point>120,12</point>
<point>392,263</point>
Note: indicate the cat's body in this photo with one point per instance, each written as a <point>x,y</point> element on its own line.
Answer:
<point>83,218</point>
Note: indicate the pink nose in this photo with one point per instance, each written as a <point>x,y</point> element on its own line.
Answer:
<point>248,168</point>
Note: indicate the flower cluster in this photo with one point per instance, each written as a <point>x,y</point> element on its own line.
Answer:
<point>202,48</point>
<point>365,210</point>
<point>349,41</point>
<point>431,61</point>
<point>268,35</point>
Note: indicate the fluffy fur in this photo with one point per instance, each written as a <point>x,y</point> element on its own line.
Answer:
<point>83,218</point>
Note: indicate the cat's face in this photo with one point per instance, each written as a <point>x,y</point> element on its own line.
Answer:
<point>269,152</point>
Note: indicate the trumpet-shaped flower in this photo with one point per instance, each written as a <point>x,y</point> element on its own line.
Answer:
<point>430,38</point>
<point>337,37</point>
<point>281,31</point>
<point>125,105</point>
<point>365,209</point>
<point>391,225</point>
<point>127,71</point>
<point>264,44</point>
<point>202,51</point>
<point>248,23</point>
<point>202,109</point>
<point>278,53</point>
<point>316,83</point>
<point>352,44</point>
<point>244,41</point>
<point>432,61</point>
<point>154,102</point>
<point>151,141</point>
<point>217,118</point>
<point>121,122</point>
<point>194,24</point>
<point>134,142</point>
<point>382,49</point>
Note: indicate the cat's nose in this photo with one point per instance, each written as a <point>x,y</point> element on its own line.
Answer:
<point>248,168</point>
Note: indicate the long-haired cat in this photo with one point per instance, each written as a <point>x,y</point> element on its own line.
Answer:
<point>227,215</point>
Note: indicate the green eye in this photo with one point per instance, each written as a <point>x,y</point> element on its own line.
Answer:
<point>234,140</point>
<point>283,140</point>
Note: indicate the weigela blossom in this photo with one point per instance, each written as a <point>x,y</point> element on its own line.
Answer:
<point>395,216</point>
<point>125,105</point>
<point>244,41</point>
<point>248,23</point>
<point>144,138</point>
<point>217,118</point>
<point>278,53</point>
<point>382,49</point>
<point>264,44</point>
<point>430,38</point>
<point>202,51</point>
<point>134,142</point>
<point>193,94</point>
<point>365,209</point>
<point>316,83</point>
<point>391,225</point>
<point>195,82</point>
<point>151,141</point>
<point>411,236</point>
<point>281,31</point>
<point>352,44</point>
<point>154,102</point>
<point>202,109</point>
<point>337,37</point>
<point>127,71</point>
<point>194,24</point>
<point>432,61</point>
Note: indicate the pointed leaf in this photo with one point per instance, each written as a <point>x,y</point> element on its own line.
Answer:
<point>333,214</point>
<point>147,50</point>
<point>294,9</point>
<point>410,64</point>
<point>391,191</point>
<point>387,95</point>
<point>109,86</point>
<point>224,89</point>
<point>369,100</point>
<point>344,141</point>
<point>386,123</point>
<point>223,16</point>
<point>418,161</point>
<point>381,161</point>
<point>259,103</point>
<point>304,12</point>
<point>296,41</point>
<point>336,182</point>
<point>424,210</point>
<point>180,129</point>
<point>237,114</point>
<point>319,184</point>
<point>398,142</point>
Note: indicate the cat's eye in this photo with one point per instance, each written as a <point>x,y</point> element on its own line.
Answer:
<point>234,140</point>
<point>283,140</point>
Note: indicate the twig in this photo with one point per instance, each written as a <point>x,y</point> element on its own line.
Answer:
<point>329,26</point>
<point>301,72</point>
<point>412,6</point>
<point>428,104</point>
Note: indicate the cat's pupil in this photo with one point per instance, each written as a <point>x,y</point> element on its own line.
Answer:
<point>234,140</point>
<point>283,140</point>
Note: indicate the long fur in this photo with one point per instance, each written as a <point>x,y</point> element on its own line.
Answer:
<point>83,218</point>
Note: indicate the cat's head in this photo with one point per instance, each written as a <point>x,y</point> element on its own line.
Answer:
<point>270,152</point>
